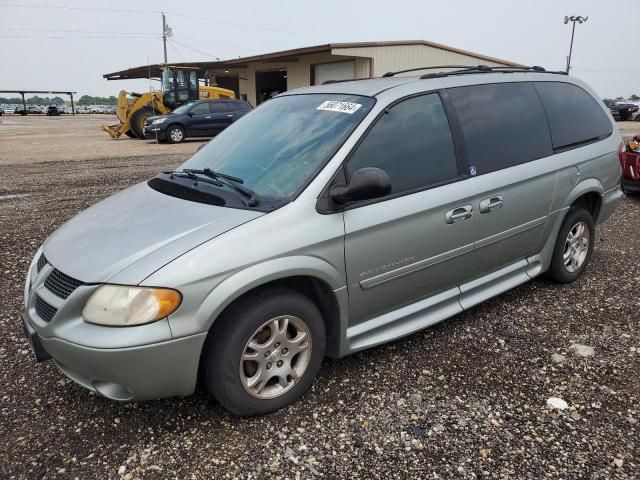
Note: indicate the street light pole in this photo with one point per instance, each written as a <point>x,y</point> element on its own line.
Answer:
<point>573,19</point>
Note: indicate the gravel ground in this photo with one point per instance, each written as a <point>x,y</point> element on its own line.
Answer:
<point>38,138</point>
<point>465,399</point>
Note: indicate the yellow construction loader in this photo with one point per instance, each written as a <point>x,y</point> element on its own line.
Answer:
<point>179,86</point>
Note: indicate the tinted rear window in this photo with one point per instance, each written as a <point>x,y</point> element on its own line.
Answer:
<point>503,125</point>
<point>574,116</point>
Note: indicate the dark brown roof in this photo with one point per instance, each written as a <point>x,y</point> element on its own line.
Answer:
<point>143,71</point>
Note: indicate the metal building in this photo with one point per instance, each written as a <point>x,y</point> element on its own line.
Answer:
<point>259,77</point>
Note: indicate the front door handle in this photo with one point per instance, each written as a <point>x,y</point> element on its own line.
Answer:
<point>230,115</point>
<point>490,204</point>
<point>459,214</point>
<point>208,117</point>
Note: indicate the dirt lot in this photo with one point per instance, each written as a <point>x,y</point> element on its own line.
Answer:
<point>465,399</point>
<point>38,138</point>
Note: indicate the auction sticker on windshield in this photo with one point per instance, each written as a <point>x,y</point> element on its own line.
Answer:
<point>337,106</point>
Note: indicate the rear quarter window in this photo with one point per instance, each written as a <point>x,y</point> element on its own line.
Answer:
<point>575,117</point>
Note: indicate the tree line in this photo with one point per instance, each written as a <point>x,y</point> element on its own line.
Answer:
<point>83,100</point>
<point>633,98</point>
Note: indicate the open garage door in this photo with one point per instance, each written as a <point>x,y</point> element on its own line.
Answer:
<point>269,84</point>
<point>333,71</point>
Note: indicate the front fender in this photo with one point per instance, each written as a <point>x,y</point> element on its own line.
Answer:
<point>231,288</point>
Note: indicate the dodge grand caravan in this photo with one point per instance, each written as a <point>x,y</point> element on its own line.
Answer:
<point>328,220</point>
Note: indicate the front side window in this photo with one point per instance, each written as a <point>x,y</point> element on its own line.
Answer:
<point>200,109</point>
<point>574,115</point>
<point>412,143</point>
<point>503,125</point>
<point>277,148</point>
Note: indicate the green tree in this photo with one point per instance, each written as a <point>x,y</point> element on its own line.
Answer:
<point>634,97</point>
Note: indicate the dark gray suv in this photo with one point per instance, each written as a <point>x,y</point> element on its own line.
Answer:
<point>204,118</point>
<point>328,220</point>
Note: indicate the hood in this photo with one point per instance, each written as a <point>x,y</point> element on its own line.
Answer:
<point>151,119</point>
<point>128,236</point>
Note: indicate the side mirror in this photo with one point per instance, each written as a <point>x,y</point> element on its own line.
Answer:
<point>190,114</point>
<point>366,183</point>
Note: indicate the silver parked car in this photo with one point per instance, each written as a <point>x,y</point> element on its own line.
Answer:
<point>329,220</point>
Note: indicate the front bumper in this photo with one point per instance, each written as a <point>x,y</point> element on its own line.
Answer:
<point>152,132</point>
<point>145,372</point>
<point>121,363</point>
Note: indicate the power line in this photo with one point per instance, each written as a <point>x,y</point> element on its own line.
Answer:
<point>67,37</point>
<point>90,9</point>
<point>171,44</point>
<point>216,43</point>
<point>194,49</point>
<point>258,27</point>
<point>22,29</point>
<point>125,10</point>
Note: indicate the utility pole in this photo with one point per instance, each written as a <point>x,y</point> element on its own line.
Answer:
<point>164,36</point>
<point>573,19</point>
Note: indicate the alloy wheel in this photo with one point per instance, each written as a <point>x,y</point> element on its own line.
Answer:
<point>275,357</point>
<point>176,135</point>
<point>576,247</point>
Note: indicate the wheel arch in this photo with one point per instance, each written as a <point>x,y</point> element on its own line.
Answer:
<point>310,276</point>
<point>588,195</point>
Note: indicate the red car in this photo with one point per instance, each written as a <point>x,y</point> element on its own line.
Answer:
<point>630,161</point>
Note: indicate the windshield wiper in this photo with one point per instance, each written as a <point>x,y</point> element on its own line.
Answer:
<point>193,176</point>
<point>233,182</point>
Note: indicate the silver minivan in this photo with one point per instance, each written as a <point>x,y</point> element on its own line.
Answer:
<point>329,220</point>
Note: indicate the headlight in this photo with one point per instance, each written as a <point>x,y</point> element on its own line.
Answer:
<point>158,121</point>
<point>120,305</point>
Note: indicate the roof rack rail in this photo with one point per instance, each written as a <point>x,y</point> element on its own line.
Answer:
<point>433,67</point>
<point>459,69</point>
<point>488,69</point>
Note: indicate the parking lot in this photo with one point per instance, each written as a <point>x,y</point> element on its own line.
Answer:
<point>464,399</point>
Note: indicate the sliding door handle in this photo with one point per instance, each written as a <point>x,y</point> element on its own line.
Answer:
<point>459,214</point>
<point>490,204</point>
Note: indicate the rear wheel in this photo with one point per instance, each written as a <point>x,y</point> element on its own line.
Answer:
<point>574,246</point>
<point>139,119</point>
<point>175,134</point>
<point>264,352</point>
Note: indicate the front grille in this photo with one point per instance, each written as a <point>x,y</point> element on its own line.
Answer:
<point>60,284</point>
<point>42,261</point>
<point>44,310</point>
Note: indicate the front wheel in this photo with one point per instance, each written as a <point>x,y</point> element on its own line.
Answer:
<point>264,352</point>
<point>175,134</point>
<point>574,246</point>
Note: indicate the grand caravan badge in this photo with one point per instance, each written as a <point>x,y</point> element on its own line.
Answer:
<point>337,106</point>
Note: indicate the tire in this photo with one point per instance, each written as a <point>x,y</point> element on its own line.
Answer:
<point>130,134</point>
<point>138,120</point>
<point>560,271</point>
<point>224,371</point>
<point>175,134</point>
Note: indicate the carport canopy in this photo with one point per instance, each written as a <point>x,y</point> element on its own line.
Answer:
<point>48,92</point>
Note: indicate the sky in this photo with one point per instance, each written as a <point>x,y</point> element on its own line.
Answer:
<point>70,44</point>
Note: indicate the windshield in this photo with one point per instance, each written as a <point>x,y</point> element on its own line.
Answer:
<point>277,148</point>
<point>184,108</point>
